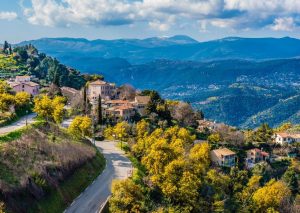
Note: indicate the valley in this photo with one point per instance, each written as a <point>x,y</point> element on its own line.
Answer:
<point>215,76</point>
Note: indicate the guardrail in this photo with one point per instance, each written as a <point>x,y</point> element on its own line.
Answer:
<point>105,206</point>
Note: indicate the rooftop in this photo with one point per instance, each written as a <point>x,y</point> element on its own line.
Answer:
<point>98,82</point>
<point>288,135</point>
<point>223,151</point>
<point>142,99</point>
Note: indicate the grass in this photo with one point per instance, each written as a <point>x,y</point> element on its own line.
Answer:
<point>13,135</point>
<point>58,199</point>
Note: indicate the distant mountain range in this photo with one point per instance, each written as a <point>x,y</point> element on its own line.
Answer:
<point>240,81</point>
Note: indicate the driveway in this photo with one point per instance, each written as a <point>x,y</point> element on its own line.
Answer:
<point>117,167</point>
<point>18,124</point>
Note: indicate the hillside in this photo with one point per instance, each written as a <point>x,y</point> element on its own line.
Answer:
<point>230,91</point>
<point>203,73</point>
<point>26,60</point>
<point>44,172</point>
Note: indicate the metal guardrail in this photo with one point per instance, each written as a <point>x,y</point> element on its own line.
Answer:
<point>104,207</point>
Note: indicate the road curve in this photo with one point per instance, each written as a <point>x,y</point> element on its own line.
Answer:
<point>18,124</point>
<point>117,167</point>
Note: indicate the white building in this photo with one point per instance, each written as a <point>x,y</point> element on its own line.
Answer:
<point>286,138</point>
<point>96,88</point>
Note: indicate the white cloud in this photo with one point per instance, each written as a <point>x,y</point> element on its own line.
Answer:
<point>163,14</point>
<point>283,24</point>
<point>9,16</point>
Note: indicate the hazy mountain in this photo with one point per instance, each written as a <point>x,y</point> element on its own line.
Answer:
<point>173,48</point>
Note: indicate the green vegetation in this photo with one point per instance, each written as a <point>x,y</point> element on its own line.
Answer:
<point>43,167</point>
<point>58,199</point>
<point>12,135</point>
<point>174,175</point>
<point>26,60</point>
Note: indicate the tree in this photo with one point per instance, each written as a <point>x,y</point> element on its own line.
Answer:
<point>283,127</point>
<point>50,109</point>
<point>5,45</point>
<point>126,197</point>
<point>22,101</point>
<point>271,195</point>
<point>184,114</point>
<point>122,130</point>
<point>214,138</point>
<point>100,110</point>
<point>58,113</point>
<point>43,107</point>
<point>4,87</point>
<point>263,134</point>
<point>290,178</point>
<point>245,196</point>
<point>126,92</point>
<point>80,126</point>
<point>199,157</point>
<point>6,100</point>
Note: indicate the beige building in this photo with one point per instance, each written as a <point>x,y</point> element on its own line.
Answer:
<point>140,103</point>
<point>286,138</point>
<point>23,84</point>
<point>70,93</point>
<point>223,157</point>
<point>121,112</point>
<point>255,156</point>
<point>96,88</point>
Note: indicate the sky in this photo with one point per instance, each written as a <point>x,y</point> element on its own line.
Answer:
<point>111,19</point>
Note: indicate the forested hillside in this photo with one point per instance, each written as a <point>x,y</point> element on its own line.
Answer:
<point>26,60</point>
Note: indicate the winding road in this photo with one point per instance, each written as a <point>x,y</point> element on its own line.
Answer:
<point>117,167</point>
<point>18,124</point>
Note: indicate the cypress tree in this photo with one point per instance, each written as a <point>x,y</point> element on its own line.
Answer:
<point>100,110</point>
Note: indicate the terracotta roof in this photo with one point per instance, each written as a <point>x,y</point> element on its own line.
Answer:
<point>288,135</point>
<point>98,82</point>
<point>142,99</point>
<point>259,151</point>
<point>123,107</point>
<point>23,76</point>
<point>223,151</point>
<point>69,89</point>
<point>117,102</point>
<point>30,83</point>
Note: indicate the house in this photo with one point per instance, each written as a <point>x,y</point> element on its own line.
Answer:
<point>140,103</point>
<point>223,157</point>
<point>25,78</point>
<point>24,84</point>
<point>286,138</point>
<point>120,112</point>
<point>255,156</point>
<point>97,88</point>
<point>118,102</point>
<point>70,93</point>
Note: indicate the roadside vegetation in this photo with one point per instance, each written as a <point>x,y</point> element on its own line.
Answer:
<point>173,174</point>
<point>49,166</point>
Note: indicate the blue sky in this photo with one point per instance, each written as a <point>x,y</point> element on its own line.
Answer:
<point>109,19</point>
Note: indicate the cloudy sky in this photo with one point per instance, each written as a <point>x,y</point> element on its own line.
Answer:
<point>109,19</point>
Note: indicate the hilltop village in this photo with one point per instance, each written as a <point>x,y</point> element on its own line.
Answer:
<point>182,162</point>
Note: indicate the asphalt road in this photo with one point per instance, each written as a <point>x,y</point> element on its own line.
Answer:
<point>117,167</point>
<point>18,124</point>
